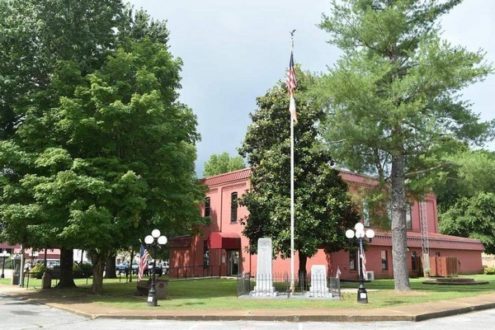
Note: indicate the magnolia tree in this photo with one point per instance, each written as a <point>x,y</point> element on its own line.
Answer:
<point>323,210</point>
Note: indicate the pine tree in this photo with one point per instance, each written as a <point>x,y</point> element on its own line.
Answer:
<point>393,98</point>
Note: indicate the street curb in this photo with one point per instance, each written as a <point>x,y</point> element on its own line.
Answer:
<point>477,303</point>
<point>288,318</point>
<point>454,311</point>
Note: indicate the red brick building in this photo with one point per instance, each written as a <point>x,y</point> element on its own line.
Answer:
<point>222,249</point>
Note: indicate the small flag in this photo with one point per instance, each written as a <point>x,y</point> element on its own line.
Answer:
<point>291,87</point>
<point>338,273</point>
<point>363,262</point>
<point>143,261</point>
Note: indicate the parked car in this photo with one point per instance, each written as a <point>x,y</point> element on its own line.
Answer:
<point>165,267</point>
<point>52,264</point>
<point>123,268</point>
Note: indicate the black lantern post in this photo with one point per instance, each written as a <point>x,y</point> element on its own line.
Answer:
<point>360,233</point>
<point>4,256</point>
<point>153,242</point>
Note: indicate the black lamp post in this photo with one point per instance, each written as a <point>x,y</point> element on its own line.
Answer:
<point>359,233</point>
<point>154,241</point>
<point>4,256</point>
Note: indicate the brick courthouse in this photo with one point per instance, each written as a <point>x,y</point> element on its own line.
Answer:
<point>221,249</point>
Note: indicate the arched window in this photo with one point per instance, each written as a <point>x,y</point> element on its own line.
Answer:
<point>207,207</point>
<point>233,207</point>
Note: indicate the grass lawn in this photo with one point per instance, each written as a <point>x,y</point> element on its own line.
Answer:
<point>221,294</point>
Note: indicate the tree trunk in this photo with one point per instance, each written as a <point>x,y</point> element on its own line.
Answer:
<point>44,259</point>
<point>302,270</point>
<point>399,230</point>
<point>98,260</point>
<point>110,271</point>
<point>130,265</point>
<point>66,264</point>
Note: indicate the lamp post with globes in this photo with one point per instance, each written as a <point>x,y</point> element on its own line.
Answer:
<point>154,241</point>
<point>360,234</point>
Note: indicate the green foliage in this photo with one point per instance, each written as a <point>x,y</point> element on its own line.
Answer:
<point>83,270</point>
<point>222,163</point>
<point>469,172</point>
<point>472,217</point>
<point>393,98</point>
<point>38,270</point>
<point>489,270</point>
<point>95,148</point>
<point>396,90</point>
<point>323,210</point>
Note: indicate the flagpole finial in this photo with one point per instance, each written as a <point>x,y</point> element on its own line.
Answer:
<point>292,36</point>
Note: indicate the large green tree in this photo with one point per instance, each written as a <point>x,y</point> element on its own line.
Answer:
<point>466,173</point>
<point>107,152</point>
<point>465,193</point>
<point>323,210</point>
<point>393,98</point>
<point>38,40</point>
<point>472,217</point>
<point>222,163</point>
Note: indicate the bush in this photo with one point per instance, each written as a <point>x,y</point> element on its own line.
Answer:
<point>38,270</point>
<point>9,263</point>
<point>83,270</point>
<point>489,270</point>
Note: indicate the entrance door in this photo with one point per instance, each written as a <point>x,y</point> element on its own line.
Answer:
<point>233,262</point>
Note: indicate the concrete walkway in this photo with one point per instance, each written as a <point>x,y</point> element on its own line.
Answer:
<point>414,312</point>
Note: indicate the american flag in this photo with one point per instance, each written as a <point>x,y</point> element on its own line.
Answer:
<point>291,87</point>
<point>143,261</point>
<point>363,261</point>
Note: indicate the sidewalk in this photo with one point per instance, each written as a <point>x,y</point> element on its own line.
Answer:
<point>415,312</point>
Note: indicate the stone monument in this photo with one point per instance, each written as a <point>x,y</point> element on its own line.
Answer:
<point>264,280</point>
<point>319,287</point>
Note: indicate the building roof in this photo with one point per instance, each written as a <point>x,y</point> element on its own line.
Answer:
<point>436,241</point>
<point>227,177</point>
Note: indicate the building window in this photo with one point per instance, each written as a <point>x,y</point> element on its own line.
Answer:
<point>408,217</point>
<point>384,258</point>
<point>366,214</point>
<point>207,207</point>
<point>233,207</point>
<point>352,261</point>
<point>414,261</point>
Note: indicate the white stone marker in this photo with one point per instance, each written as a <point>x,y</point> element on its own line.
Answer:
<point>264,280</point>
<point>319,287</point>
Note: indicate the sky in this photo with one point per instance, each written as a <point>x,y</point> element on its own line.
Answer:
<point>234,51</point>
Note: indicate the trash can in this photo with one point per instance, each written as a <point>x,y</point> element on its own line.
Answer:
<point>15,278</point>
<point>46,280</point>
<point>16,273</point>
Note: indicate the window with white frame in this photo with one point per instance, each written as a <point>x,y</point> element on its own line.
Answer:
<point>366,214</point>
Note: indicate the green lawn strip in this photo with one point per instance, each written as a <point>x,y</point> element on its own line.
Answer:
<point>220,294</point>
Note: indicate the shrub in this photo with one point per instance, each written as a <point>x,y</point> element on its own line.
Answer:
<point>38,270</point>
<point>489,270</point>
<point>83,270</point>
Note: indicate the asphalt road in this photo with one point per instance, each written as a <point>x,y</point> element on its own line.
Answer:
<point>21,314</point>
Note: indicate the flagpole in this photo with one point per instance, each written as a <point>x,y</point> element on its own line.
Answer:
<point>292,285</point>
<point>292,205</point>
